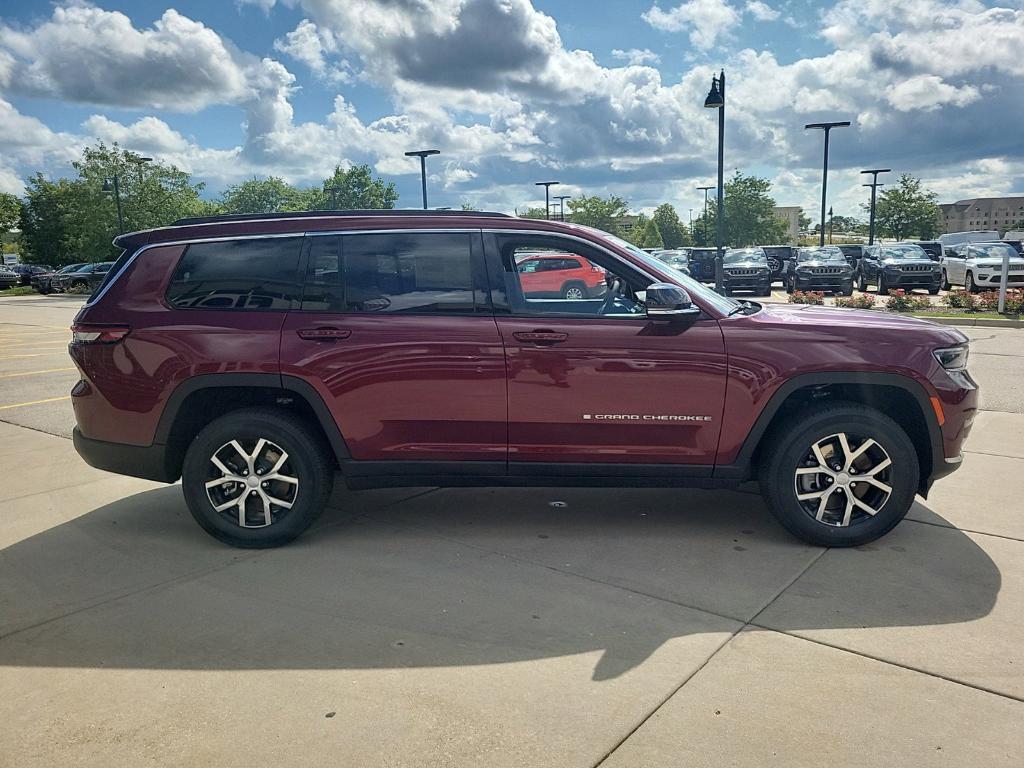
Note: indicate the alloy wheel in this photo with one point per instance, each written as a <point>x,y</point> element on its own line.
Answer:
<point>573,293</point>
<point>844,479</point>
<point>251,482</point>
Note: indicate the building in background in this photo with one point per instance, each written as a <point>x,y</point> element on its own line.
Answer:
<point>791,215</point>
<point>978,213</point>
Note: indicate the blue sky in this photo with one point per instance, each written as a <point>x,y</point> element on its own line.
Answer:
<point>605,97</point>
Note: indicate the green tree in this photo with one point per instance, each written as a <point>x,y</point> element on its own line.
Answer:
<point>673,233</point>
<point>43,221</point>
<point>749,213</point>
<point>650,235</point>
<point>355,188</point>
<point>598,212</point>
<point>10,212</point>
<point>532,213</point>
<point>906,210</point>
<point>269,195</point>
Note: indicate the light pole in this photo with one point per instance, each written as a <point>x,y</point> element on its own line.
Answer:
<point>716,100</point>
<point>874,186</point>
<point>561,205</point>
<point>116,189</point>
<point>830,229</point>
<point>422,154</point>
<point>547,196</point>
<point>705,189</point>
<point>826,127</point>
<point>140,161</point>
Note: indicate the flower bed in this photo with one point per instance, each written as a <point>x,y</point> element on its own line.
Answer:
<point>863,301</point>
<point>807,297</point>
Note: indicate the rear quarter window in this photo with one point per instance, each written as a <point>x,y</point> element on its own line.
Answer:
<point>251,274</point>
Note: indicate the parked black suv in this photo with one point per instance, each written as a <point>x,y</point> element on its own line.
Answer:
<point>702,264</point>
<point>902,265</point>
<point>824,268</point>
<point>746,269</point>
<point>932,247</point>
<point>853,254</point>
<point>777,256</point>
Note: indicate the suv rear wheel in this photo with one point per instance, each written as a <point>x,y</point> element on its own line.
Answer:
<point>256,478</point>
<point>574,291</point>
<point>845,478</point>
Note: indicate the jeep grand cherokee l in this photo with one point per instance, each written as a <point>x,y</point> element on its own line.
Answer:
<point>746,269</point>
<point>901,265</point>
<point>255,356</point>
<point>819,269</point>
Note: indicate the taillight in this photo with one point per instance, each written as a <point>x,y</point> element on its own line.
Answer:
<point>98,334</point>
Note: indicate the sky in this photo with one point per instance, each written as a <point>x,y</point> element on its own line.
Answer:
<point>605,97</point>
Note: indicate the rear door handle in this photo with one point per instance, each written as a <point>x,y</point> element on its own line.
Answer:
<point>323,334</point>
<point>541,337</point>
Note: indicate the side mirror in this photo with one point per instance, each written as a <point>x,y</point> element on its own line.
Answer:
<point>665,301</point>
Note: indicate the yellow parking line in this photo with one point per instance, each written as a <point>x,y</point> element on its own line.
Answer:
<point>36,354</point>
<point>34,402</point>
<point>33,373</point>
<point>33,344</point>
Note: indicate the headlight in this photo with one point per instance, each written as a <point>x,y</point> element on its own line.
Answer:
<point>952,358</point>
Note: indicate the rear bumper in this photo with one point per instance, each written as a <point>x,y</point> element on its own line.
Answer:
<point>150,462</point>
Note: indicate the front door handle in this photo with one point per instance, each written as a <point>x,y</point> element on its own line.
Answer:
<point>323,334</point>
<point>541,337</point>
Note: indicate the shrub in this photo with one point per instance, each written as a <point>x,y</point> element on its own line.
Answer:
<point>901,301</point>
<point>961,299</point>
<point>807,297</point>
<point>862,301</point>
<point>80,290</point>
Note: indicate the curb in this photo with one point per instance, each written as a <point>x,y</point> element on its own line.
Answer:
<point>979,322</point>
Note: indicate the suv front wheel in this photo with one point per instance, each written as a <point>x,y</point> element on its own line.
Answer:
<point>256,478</point>
<point>844,478</point>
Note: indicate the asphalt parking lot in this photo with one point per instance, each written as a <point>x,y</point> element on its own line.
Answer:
<point>481,627</point>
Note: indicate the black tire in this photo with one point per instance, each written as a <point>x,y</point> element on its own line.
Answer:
<point>946,285</point>
<point>933,291</point>
<point>789,286</point>
<point>969,283</point>
<point>309,461</point>
<point>883,289</point>
<point>848,291</point>
<point>789,446</point>
<point>574,291</point>
<point>862,284</point>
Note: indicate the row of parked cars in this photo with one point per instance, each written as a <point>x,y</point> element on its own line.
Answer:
<point>45,279</point>
<point>838,269</point>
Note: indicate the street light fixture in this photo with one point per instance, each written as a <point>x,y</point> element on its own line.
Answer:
<point>423,154</point>
<point>716,100</point>
<point>830,228</point>
<point>826,127</point>
<point>705,190</point>
<point>115,187</point>
<point>547,199</point>
<point>874,186</point>
<point>561,205</point>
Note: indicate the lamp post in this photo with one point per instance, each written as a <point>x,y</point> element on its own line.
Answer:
<point>705,190</point>
<point>141,161</point>
<point>547,196</point>
<point>561,205</point>
<point>716,100</point>
<point>827,128</point>
<point>874,186</point>
<point>422,154</point>
<point>115,187</point>
<point>830,229</point>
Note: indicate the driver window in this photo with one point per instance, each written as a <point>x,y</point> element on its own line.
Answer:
<point>545,278</point>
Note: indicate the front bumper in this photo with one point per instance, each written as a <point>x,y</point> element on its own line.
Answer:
<point>912,280</point>
<point>992,280</point>
<point>827,283</point>
<point>150,462</point>
<point>760,283</point>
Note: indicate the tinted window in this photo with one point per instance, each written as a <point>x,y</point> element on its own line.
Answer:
<point>400,272</point>
<point>237,274</point>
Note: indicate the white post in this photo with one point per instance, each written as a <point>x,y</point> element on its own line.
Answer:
<point>1003,277</point>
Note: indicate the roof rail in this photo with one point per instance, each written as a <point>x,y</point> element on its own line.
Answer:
<point>230,217</point>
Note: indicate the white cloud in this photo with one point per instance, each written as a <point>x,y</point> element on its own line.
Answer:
<point>637,56</point>
<point>928,93</point>
<point>149,134</point>
<point>706,20</point>
<point>314,47</point>
<point>761,11</point>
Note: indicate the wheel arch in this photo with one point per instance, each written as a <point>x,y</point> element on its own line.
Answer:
<point>900,397</point>
<point>197,400</point>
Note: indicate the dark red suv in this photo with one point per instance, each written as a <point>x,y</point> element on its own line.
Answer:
<point>255,356</point>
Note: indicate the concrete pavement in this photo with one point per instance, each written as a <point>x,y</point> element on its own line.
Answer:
<point>469,627</point>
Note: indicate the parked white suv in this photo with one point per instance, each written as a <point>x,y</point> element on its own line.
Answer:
<point>978,266</point>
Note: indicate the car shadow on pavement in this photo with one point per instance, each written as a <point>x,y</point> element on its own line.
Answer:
<point>392,579</point>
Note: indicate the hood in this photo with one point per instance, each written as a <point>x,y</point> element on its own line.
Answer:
<point>858,325</point>
<point>746,265</point>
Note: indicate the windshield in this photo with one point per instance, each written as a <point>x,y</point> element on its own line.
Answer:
<point>904,252</point>
<point>828,253</point>
<point>995,250</point>
<point>736,255</point>
<point>723,304</point>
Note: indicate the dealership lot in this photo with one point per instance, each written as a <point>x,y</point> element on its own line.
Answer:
<point>493,627</point>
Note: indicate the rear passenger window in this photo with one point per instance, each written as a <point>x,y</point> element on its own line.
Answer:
<point>399,272</point>
<point>238,274</point>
